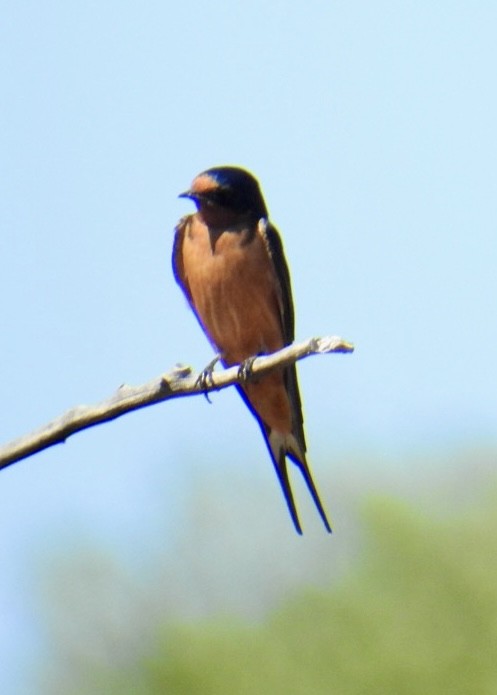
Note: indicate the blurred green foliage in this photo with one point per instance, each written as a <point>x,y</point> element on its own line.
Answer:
<point>418,615</point>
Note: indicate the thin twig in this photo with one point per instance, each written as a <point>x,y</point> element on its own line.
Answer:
<point>181,381</point>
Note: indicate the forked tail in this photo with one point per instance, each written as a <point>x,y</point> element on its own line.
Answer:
<point>283,445</point>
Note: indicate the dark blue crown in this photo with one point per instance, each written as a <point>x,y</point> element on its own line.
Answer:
<point>238,190</point>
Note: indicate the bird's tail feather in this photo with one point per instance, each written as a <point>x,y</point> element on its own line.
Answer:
<point>281,446</point>
<point>278,455</point>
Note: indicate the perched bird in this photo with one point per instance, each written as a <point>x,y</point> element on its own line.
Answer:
<point>228,260</point>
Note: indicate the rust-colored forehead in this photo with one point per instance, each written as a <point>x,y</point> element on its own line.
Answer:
<point>204,183</point>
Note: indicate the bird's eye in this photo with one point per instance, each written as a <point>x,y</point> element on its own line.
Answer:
<point>222,196</point>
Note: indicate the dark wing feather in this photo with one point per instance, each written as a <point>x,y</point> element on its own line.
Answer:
<point>179,270</point>
<point>177,259</point>
<point>275,250</point>
<point>178,267</point>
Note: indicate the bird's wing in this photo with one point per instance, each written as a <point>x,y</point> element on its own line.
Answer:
<point>178,265</point>
<point>274,248</point>
<point>177,259</point>
<point>181,276</point>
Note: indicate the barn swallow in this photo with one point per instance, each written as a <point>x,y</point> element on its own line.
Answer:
<point>228,259</point>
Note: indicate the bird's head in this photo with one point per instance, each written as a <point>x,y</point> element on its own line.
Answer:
<point>231,189</point>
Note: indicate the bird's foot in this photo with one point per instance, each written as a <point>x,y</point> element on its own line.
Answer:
<point>245,370</point>
<point>204,379</point>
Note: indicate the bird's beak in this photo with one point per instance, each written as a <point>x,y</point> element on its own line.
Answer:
<point>187,194</point>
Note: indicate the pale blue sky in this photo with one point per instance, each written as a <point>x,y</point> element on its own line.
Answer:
<point>371,127</point>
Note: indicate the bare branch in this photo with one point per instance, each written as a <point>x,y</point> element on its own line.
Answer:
<point>181,381</point>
